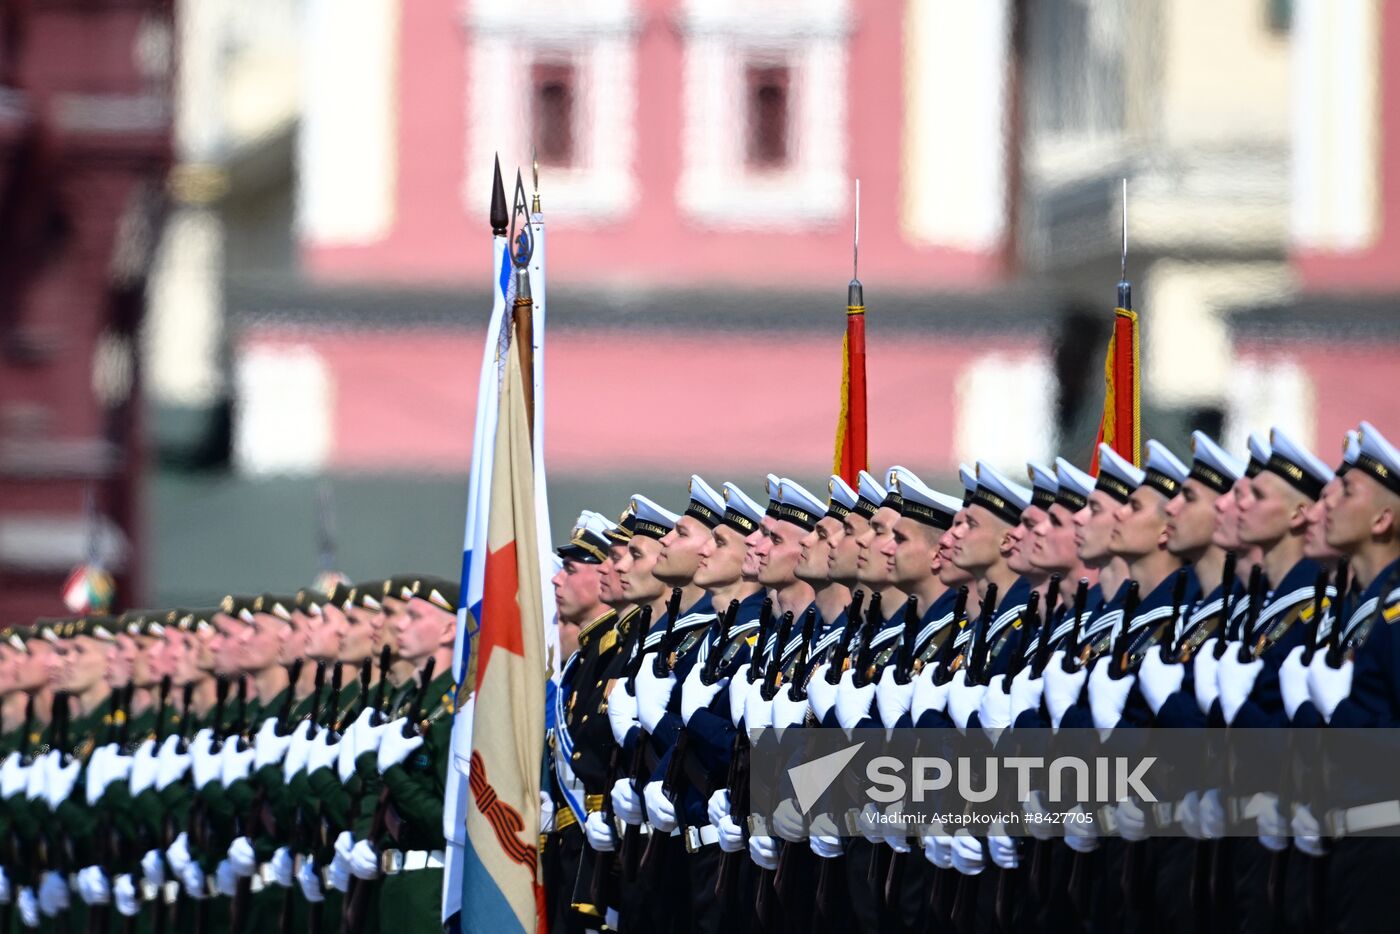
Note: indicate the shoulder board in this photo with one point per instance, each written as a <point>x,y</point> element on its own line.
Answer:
<point>608,641</point>
<point>1391,613</point>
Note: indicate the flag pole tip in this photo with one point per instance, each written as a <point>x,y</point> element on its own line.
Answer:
<point>500,216</point>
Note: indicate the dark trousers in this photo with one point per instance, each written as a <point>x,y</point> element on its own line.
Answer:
<point>1363,895</point>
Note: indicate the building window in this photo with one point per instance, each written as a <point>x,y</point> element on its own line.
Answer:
<point>552,114</point>
<point>767,117</point>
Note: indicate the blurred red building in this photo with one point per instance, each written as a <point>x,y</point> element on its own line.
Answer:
<point>84,127</point>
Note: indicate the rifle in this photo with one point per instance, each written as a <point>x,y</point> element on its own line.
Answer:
<point>1175,632</point>
<point>284,716</point>
<point>301,841</point>
<point>356,894</point>
<point>328,712</point>
<point>385,657</point>
<point>627,851</point>
<point>1315,624</point>
<point>1117,660</point>
<point>865,655</point>
<point>765,632</point>
<point>1030,625</point>
<point>842,650</point>
<point>977,659</point>
<point>709,672</point>
<point>1227,597</point>
<point>947,652</point>
<point>366,673</point>
<point>1251,620</point>
<point>1334,635</point>
<point>1071,656</point>
<point>775,661</point>
<point>806,660</point>
<point>1042,648</point>
<point>904,668</point>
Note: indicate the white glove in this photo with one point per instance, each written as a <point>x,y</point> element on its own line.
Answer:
<point>61,778</point>
<point>897,841</point>
<point>600,835</point>
<point>787,712</point>
<point>310,881</point>
<point>363,736</point>
<point>28,907</point>
<point>788,822</point>
<point>825,845</point>
<point>1273,829</point>
<point>821,697</point>
<point>1203,666</point>
<point>178,853</point>
<point>144,767</point>
<point>738,694</point>
<point>870,823</point>
<point>53,894</point>
<point>928,695</point>
<point>938,850</point>
<point>1293,681</point>
<point>653,696</point>
<point>283,866</point>
<point>1212,815</point>
<point>1236,681</point>
<point>204,761</point>
<point>1040,828</point>
<point>171,763</point>
<point>892,699</point>
<point>1003,851</point>
<point>14,775</point>
<point>1108,695</point>
<point>225,879</point>
<point>270,747</point>
<point>994,709</point>
<point>967,854</point>
<point>93,887</point>
<point>963,698</point>
<point>1307,833</point>
<point>1062,689</point>
<point>6,895</point>
<point>298,751</point>
<point>763,851</point>
<point>95,777</point>
<point>717,806</point>
<point>627,804</point>
<point>852,703</point>
<point>237,760</point>
<point>241,858</point>
<point>338,872</point>
<point>622,711</point>
<point>1081,836</point>
<point>36,776</point>
<point>1328,686</point>
<point>731,835</point>
<point>758,711</point>
<point>116,767</point>
<point>1158,679</point>
<point>1026,690</point>
<point>1132,821</point>
<point>192,878</point>
<point>696,694</point>
<point>364,861</point>
<point>124,894</point>
<point>324,751</point>
<point>1190,811</point>
<point>394,747</point>
<point>661,813</point>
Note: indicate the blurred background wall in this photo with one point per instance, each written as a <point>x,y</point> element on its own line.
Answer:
<point>315,303</point>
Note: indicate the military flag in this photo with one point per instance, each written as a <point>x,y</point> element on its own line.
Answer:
<point>851,451</point>
<point>1121,425</point>
<point>500,887</point>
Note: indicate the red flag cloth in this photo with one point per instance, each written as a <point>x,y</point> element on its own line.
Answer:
<point>851,451</point>
<point>1121,428</point>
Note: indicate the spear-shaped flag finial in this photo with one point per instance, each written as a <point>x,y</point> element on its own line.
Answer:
<point>500,217</point>
<point>851,454</point>
<point>1121,427</point>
